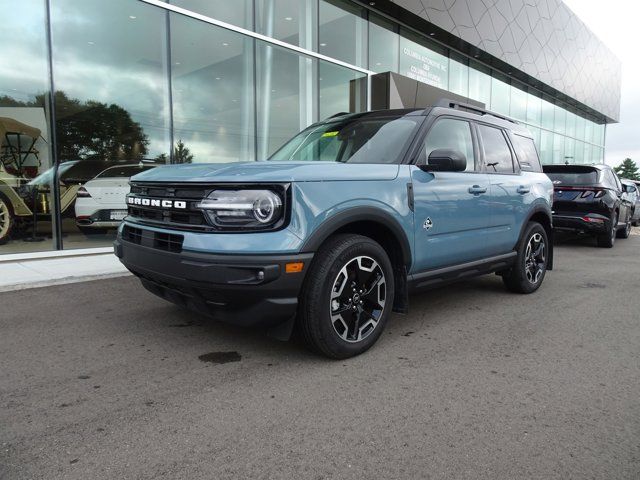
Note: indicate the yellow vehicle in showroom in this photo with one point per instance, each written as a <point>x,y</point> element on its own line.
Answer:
<point>23,201</point>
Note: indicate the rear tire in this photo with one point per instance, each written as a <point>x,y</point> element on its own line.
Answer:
<point>347,297</point>
<point>7,221</point>
<point>624,233</point>
<point>607,240</point>
<point>530,267</point>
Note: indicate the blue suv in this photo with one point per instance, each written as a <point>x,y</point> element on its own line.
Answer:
<point>333,232</point>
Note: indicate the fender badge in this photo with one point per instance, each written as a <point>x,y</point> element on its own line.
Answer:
<point>427,224</point>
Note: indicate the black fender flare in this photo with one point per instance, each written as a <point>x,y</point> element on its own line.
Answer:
<point>545,209</point>
<point>358,214</point>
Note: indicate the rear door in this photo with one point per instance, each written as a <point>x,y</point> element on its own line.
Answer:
<point>451,208</point>
<point>510,191</point>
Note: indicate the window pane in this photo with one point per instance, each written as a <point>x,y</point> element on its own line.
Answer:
<point>292,21</point>
<point>212,82</point>
<point>588,131</point>
<point>343,32</point>
<point>518,107</point>
<point>110,69</point>
<point>578,153</point>
<point>341,90</point>
<point>571,124</point>
<point>527,154</point>
<point>238,12</point>
<point>285,96</point>
<point>480,86</point>
<point>569,150</point>
<point>547,115</point>
<point>423,64</point>
<point>559,121</point>
<point>24,134</point>
<point>558,149</point>
<point>497,155</point>
<point>458,77</point>
<point>534,109</point>
<point>453,135</point>
<point>580,125</point>
<point>384,45</point>
<point>500,96</point>
<point>546,147</point>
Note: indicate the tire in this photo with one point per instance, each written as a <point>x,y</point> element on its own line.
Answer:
<point>7,220</point>
<point>607,240</point>
<point>354,262</point>
<point>530,267</point>
<point>624,233</point>
<point>91,231</point>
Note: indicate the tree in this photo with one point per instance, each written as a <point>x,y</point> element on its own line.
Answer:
<point>628,169</point>
<point>91,129</point>
<point>181,154</point>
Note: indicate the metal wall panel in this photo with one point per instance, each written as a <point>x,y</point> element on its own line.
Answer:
<point>543,39</point>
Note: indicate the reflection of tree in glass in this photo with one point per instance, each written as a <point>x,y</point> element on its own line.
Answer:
<point>181,154</point>
<point>92,129</point>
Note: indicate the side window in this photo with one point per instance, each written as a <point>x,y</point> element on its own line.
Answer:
<point>497,155</point>
<point>610,179</point>
<point>451,134</point>
<point>527,154</point>
<point>618,182</point>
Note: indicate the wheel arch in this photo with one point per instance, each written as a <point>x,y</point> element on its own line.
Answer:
<point>542,215</point>
<point>381,227</point>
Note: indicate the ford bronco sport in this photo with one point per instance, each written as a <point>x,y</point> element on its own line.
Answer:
<point>339,225</point>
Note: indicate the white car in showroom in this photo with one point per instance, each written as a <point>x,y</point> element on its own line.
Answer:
<point>101,202</point>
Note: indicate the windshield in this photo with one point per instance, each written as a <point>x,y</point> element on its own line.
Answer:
<point>352,140</point>
<point>125,171</point>
<point>576,176</point>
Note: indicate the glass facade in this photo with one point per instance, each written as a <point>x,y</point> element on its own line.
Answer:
<point>86,86</point>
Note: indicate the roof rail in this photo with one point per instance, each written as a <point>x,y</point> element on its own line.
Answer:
<point>448,103</point>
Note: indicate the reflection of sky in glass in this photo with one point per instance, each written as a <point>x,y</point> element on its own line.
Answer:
<point>23,60</point>
<point>113,52</point>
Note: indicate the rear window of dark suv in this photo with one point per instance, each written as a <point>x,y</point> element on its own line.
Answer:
<point>574,175</point>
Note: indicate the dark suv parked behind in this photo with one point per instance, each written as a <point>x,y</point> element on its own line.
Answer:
<point>589,199</point>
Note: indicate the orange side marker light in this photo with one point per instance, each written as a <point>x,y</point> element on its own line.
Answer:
<point>294,267</point>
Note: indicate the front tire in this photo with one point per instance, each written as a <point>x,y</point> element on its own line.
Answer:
<point>7,222</point>
<point>530,267</point>
<point>347,297</point>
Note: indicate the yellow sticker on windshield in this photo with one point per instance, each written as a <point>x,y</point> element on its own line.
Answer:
<point>329,134</point>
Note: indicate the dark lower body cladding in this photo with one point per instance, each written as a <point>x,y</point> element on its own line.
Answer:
<point>247,290</point>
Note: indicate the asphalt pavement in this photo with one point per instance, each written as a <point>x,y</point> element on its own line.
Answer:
<point>102,380</point>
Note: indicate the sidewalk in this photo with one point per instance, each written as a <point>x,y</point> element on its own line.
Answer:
<point>67,268</point>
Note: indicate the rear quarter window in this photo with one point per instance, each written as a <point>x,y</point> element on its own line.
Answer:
<point>527,154</point>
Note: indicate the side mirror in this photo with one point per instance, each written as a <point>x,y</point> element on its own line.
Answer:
<point>445,160</point>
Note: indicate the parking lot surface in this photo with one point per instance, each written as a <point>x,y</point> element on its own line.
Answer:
<point>103,380</point>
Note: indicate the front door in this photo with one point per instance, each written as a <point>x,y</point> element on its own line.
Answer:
<point>450,208</point>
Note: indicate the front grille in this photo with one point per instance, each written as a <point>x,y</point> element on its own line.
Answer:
<point>160,241</point>
<point>191,218</point>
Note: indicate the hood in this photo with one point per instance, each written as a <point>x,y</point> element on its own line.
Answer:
<point>269,172</point>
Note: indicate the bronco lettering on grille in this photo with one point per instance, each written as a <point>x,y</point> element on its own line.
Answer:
<point>153,202</point>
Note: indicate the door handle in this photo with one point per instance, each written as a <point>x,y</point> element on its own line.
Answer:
<point>522,190</point>
<point>477,190</point>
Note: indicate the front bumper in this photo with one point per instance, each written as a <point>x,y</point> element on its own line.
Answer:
<point>247,290</point>
<point>577,222</point>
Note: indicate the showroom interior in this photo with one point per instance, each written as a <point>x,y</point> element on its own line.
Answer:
<point>144,83</point>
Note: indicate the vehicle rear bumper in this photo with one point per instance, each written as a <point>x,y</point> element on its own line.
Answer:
<point>247,290</point>
<point>587,222</point>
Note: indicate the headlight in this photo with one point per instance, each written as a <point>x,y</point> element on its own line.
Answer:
<point>243,209</point>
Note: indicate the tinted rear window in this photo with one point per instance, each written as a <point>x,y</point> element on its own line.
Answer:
<point>527,154</point>
<point>124,171</point>
<point>572,176</point>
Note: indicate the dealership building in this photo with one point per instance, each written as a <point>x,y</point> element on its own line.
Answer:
<point>140,83</point>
